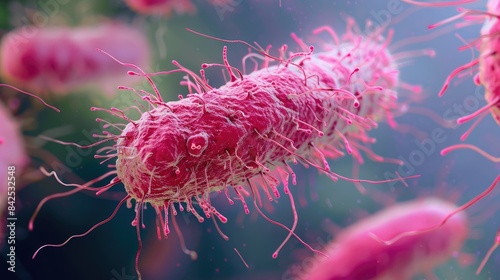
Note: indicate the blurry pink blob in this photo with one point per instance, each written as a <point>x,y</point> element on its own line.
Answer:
<point>63,59</point>
<point>167,7</point>
<point>354,254</point>
<point>12,153</point>
<point>161,7</point>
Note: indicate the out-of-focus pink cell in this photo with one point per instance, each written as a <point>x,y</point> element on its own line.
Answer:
<point>167,7</point>
<point>62,59</point>
<point>12,153</point>
<point>161,7</point>
<point>355,254</point>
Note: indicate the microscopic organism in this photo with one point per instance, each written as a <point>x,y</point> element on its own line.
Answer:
<point>354,254</point>
<point>239,139</point>
<point>63,59</point>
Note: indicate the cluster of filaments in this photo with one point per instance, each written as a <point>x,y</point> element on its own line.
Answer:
<point>487,69</point>
<point>485,65</point>
<point>364,79</point>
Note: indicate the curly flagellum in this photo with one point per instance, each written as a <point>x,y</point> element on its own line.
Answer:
<point>439,4</point>
<point>78,188</point>
<point>87,232</point>
<point>32,95</point>
<point>474,148</point>
<point>489,253</point>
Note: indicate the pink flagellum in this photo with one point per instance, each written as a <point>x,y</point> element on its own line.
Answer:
<point>355,254</point>
<point>62,59</point>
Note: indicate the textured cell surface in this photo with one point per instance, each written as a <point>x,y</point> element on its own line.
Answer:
<point>354,254</point>
<point>62,59</point>
<point>237,134</point>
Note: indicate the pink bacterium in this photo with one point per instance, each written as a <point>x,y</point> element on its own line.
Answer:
<point>443,222</point>
<point>62,59</point>
<point>239,139</point>
<point>354,254</point>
